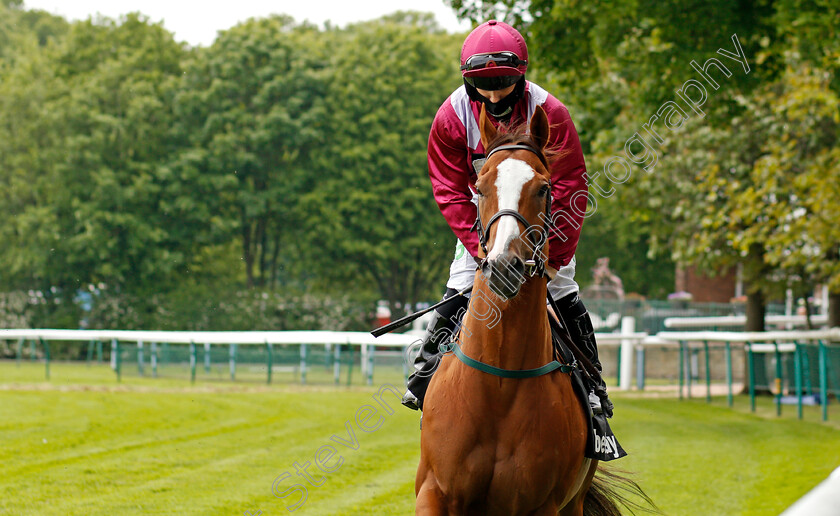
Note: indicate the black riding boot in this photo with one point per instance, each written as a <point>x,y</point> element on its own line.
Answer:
<point>576,318</point>
<point>438,334</point>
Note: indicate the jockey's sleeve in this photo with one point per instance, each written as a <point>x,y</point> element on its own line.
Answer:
<point>449,173</point>
<point>568,183</point>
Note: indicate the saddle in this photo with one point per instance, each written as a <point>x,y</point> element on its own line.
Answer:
<point>602,443</point>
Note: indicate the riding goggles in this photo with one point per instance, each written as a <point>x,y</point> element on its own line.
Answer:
<point>479,61</point>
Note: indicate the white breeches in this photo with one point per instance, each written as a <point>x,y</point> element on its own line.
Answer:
<point>463,267</point>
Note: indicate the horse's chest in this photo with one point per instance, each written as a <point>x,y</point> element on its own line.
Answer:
<point>519,458</point>
<point>505,452</point>
<point>515,455</point>
<point>501,447</point>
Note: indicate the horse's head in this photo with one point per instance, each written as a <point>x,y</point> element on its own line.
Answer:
<point>514,191</point>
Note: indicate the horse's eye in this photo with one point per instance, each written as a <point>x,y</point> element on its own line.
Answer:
<point>544,190</point>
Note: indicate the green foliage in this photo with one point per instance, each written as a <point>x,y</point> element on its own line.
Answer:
<point>290,159</point>
<point>214,307</point>
<point>21,29</point>
<point>624,240</point>
<point>809,28</point>
<point>759,193</point>
<point>793,186</point>
<point>86,162</point>
<point>254,105</point>
<point>372,216</point>
<point>750,183</point>
<point>283,158</point>
<point>642,46</point>
<point>43,25</point>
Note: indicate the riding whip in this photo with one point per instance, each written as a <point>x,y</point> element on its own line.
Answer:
<point>382,330</point>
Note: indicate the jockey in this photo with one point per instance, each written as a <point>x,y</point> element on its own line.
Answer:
<point>494,59</point>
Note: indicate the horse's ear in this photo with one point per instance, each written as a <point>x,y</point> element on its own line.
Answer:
<point>488,131</point>
<point>539,127</point>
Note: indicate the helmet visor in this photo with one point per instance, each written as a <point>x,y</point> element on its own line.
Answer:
<point>480,61</point>
<point>492,83</point>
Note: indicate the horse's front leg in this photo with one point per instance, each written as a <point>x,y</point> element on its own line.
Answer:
<point>575,506</point>
<point>430,501</point>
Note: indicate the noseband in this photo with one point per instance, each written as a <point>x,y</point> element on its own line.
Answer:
<point>535,265</point>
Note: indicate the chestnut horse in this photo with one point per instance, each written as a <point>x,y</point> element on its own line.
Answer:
<point>501,445</point>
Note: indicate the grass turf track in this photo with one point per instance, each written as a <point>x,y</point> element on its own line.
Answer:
<point>163,447</point>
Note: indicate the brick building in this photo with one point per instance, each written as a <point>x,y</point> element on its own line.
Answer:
<point>703,288</point>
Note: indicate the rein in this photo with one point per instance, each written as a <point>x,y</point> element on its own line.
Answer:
<point>535,265</point>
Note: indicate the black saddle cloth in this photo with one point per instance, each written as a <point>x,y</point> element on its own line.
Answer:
<point>602,443</point>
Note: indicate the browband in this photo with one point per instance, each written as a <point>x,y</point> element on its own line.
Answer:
<point>518,147</point>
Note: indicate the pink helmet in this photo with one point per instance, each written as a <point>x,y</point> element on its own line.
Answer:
<point>494,56</point>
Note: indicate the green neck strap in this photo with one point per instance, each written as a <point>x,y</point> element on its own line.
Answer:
<point>510,373</point>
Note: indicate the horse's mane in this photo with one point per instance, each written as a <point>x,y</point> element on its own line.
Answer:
<point>518,135</point>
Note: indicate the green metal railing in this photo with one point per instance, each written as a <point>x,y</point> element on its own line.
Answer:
<point>304,363</point>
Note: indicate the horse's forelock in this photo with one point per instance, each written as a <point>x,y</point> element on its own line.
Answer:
<point>518,135</point>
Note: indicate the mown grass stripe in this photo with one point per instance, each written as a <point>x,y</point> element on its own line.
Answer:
<point>182,450</point>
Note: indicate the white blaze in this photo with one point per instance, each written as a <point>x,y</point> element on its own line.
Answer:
<point>513,174</point>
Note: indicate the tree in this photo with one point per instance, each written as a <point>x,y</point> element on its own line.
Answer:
<point>759,192</point>
<point>372,215</point>
<point>116,118</point>
<point>613,64</point>
<point>639,44</point>
<point>18,28</point>
<point>254,105</point>
<point>621,60</point>
<point>795,185</point>
<point>27,84</point>
<point>91,182</point>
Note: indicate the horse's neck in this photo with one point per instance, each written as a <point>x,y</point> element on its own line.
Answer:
<point>519,338</point>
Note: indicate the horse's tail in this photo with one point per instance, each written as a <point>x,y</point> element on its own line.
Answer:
<point>612,488</point>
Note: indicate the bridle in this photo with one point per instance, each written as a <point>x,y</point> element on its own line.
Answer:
<point>535,265</point>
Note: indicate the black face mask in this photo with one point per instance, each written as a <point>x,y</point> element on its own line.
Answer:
<point>504,108</point>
